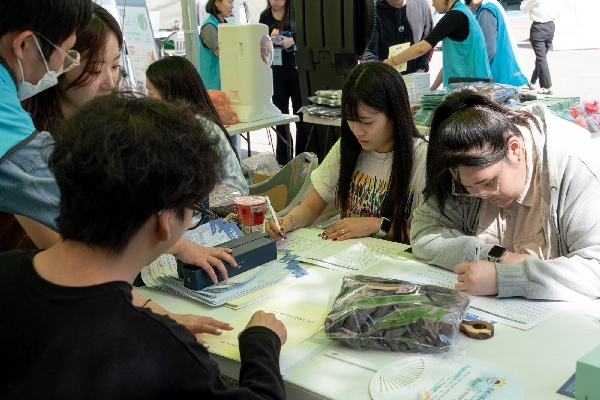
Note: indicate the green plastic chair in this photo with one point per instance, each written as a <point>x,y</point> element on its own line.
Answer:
<point>295,176</point>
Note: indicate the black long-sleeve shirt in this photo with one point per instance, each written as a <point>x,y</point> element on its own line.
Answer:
<point>91,343</point>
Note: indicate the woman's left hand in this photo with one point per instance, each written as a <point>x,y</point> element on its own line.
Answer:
<point>349,228</point>
<point>286,42</point>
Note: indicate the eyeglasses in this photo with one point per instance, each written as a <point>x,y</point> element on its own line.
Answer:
<point>459,190</point>
<point>199,213</point>
<point>72,57</point>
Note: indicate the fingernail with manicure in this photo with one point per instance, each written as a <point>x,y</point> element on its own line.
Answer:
<point>219,331</point>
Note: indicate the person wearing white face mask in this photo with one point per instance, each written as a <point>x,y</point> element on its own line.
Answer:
<point>35,36</point>
<point>26,89</point>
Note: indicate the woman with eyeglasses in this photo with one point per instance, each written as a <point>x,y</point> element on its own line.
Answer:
<point>522,186</point>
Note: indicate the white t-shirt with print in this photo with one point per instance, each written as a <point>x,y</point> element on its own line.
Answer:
<point>370,180</point>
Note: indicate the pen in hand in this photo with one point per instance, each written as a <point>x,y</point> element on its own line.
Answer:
<point>272,212</point>
<point>477,251</point>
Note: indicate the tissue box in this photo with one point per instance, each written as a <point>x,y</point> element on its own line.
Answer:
<point>586,376</point>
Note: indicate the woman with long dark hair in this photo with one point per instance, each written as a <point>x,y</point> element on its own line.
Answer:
<point>100,46</point>
<point>522,187</point>
<point>286,80</point>
<point>376,170</point>
<point>176,78</point>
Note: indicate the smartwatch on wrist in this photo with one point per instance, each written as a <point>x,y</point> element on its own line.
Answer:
<point>496,254</point>
<point>384,227</point>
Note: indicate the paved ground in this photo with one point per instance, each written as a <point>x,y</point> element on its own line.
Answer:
<point>574,72</point>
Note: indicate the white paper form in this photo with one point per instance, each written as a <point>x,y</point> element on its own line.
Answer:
<point>519,313</point>
<point>302,241</point>
<point>164,265</point>
<point>354,255</point>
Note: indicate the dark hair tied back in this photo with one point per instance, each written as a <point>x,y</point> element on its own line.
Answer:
<point>471,130</point>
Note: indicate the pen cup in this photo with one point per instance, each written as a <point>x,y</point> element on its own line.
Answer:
<point>251,212</point>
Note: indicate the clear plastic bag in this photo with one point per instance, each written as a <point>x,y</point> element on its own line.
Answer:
<point>221,200</point>
<point>321,111</point>
<point>331,94</point>
<point>395,315</point>
<point>264,163</point>
<point>325,101</point>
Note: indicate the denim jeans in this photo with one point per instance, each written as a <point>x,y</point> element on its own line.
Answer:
<point>27,186</point>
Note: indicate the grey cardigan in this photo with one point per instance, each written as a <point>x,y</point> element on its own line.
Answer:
<point>570,180</point>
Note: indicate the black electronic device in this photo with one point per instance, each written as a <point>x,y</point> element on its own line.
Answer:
<point>331,36</point>
<point>496,253</point>
<point>249,251</point>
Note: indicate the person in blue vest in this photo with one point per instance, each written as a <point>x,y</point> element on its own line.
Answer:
<point>210,72</point>
<point>502,49</point>
<point>400,21</point>
<point>36,37</point>
<point>464,50</point>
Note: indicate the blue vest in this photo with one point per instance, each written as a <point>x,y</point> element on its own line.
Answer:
<point>208,62</point>
<point>467,59</point>
<point>15,123</point>
<point>504,66</point>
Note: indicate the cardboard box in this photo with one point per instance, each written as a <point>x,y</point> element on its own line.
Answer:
<point>417,77</point>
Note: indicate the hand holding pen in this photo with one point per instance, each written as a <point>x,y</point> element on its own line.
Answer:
<point>275,220</point>
<point>477,252</point>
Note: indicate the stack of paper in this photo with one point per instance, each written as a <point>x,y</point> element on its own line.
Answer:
<point>241,290</point>
<point>350,256</point>
<point>256,279</point>
<point>301,320</point>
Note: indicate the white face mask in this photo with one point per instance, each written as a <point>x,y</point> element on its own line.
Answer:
<point>26,90</point>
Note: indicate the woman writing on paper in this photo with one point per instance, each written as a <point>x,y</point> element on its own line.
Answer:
<point>375,171</point>
<point>523,185</point>
<point>465,53</point>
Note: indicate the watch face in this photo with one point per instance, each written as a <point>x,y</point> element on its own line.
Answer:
<point>497,252</point>
<point>385,225</point>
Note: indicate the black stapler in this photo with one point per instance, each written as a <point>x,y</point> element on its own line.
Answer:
<point>249,251</point>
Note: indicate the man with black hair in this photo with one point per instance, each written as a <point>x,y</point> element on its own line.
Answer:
<point>127,173</point>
